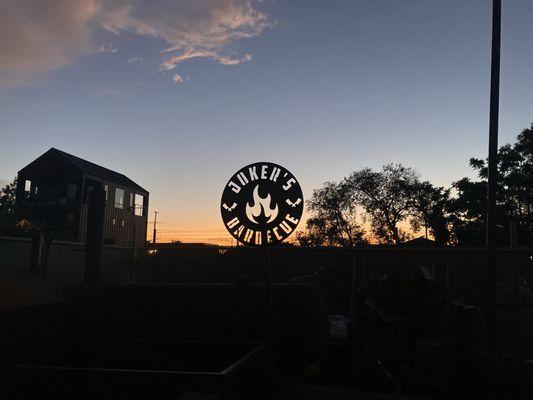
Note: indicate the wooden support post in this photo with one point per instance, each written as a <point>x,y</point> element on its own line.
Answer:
<point>95,236</point>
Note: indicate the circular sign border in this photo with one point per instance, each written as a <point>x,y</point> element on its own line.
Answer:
<point>234,175</point>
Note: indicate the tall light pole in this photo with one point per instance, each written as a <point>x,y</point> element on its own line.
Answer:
<point>493,173</point>
<point>155,230</point>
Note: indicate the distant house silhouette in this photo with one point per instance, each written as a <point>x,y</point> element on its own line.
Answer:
<point>419,242</point>
<point>52,193</point>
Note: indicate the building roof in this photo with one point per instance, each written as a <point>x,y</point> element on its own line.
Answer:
<point>97,170</point>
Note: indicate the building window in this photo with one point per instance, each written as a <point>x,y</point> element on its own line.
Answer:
<point>113,221</point>
<point>122,223</point>
<point>88,190</point>
<point>139,205</point>
<point>71,191</point>
<point>106,190</point>
<point>132,200</point>
<point>27,189</point>
<point>119,198</point>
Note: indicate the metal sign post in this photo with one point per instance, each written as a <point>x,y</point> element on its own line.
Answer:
<point>271,338</point>
<point>261,206</point>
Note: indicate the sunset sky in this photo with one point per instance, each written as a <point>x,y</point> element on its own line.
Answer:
<point>178,95</point>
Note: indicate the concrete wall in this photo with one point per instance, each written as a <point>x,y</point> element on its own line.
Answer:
<point>65,261</point>
<point>14,254</point>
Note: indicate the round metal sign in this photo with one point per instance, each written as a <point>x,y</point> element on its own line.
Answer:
<point>262,204</point>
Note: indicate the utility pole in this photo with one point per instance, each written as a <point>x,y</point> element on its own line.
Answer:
<point>493,174</point>
<point>155,230</point>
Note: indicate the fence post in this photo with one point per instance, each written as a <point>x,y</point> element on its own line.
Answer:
<point>37,250</point>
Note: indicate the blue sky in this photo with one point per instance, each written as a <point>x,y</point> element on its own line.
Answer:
<point>320,87</point>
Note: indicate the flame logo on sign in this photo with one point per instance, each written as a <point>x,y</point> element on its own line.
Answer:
<point>261,205</point>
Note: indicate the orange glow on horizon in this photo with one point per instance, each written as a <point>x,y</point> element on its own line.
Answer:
<point>217,234</point>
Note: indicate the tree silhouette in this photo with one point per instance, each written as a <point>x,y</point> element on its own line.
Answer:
<point>386,197</point>
<point>468,211</point>
<point>383,199</point>
<point>333,220</point>
<point>8,217</point>
<point>431,211</point>
<point>514,197</point>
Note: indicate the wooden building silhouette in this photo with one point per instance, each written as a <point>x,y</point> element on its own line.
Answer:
<point>52,194</point>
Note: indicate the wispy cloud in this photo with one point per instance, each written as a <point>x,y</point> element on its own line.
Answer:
<point>46,36</point>
<point>234,61</point>
<point>135,60</point>
<point>172,62</point>
<point>192,29</point>
<point>108,48</point>
<point>177,79</point>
